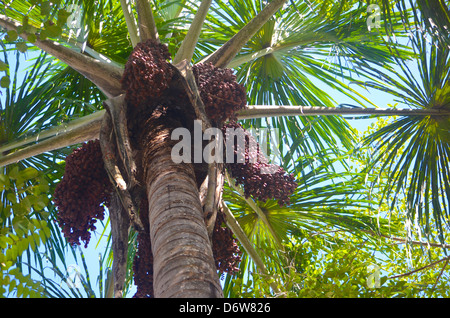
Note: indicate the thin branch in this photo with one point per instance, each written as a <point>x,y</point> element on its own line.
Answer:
<point>130,21</point>
<point>186,50</point>
<point>210,193</point>
<point>241,59</point>
<point>440,275</point>
<point>105,76</point>
<point>117,109</point>
<point>392,238</point>
<point>244,58</point>
<point>427,244</point>
<point>223,56</point>
<point>184,71</point>
<point>233,224</point>
<point>261,111</point>
<point>87,131</point>
<point>208,189</point>
<point>419,269</point>
<point>119,233</point>
<point>146,21</point>
<point>99,56</point>
<point>313,37</point>
<point>255,208</point>
<point>91,120</point>
<point>81,47</point>
<point>402,240</point>
<point>114,172</point>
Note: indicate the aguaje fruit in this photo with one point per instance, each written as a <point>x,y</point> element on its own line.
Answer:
<point>226,252</point>
<point>259,179</point>
<point>221,94</point>
<point>147,73</point>
<point>83,193</point>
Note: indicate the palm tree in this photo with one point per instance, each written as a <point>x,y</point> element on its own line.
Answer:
<point>280,50</point>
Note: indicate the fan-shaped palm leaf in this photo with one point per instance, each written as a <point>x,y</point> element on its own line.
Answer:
<point>422,171</point>
<point>296,59</point>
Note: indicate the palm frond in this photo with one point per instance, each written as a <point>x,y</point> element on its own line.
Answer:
<point>413,151</point>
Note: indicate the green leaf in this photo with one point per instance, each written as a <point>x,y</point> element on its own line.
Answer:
<point>52,30</point>
<point>14,172</point>
<point>31,37</point>
<point>11,35</point>
<point>36,238</point>
<point>43,35</point>
<point>43,187</point>
<point>62,17</point>
<point>19,290</point>
<point>31,242</point>
<point>26,204</point>
<point>12,285</point>
<point>21,46</point>
<point>46,7</point>
<point>5,82</point>
<point>4,182</point>
<point>3,242</point>
<point>3,66</point>
<point>11,197</point>
<point>39,205</point>
<point>42,236</point>
<point>29,173</point>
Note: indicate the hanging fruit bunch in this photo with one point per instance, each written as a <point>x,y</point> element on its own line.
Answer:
<point>83,193</point>
<point>219,91</point>
<point>147,73</point>
<point>259,178</point>
<point>143,259</point>
<point>226,252</point>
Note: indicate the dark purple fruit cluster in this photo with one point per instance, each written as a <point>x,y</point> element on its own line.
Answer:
<point>147,73</point>
<point>261,180</point>
<point>83,193</point>
<point>219,91</point>
<point>226,252</point>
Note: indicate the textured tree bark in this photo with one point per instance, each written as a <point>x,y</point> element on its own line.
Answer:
<point>183,260</point>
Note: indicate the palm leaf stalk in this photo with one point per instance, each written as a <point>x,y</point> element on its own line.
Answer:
<point>186,50</point>
<point>105,76</point>
<point>233,224</point>
<point>223,56</point>
<point>146,21</point>
<point>131,22</point>
<point>88,128</point>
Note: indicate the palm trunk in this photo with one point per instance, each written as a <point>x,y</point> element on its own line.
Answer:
<point>183,261</point>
